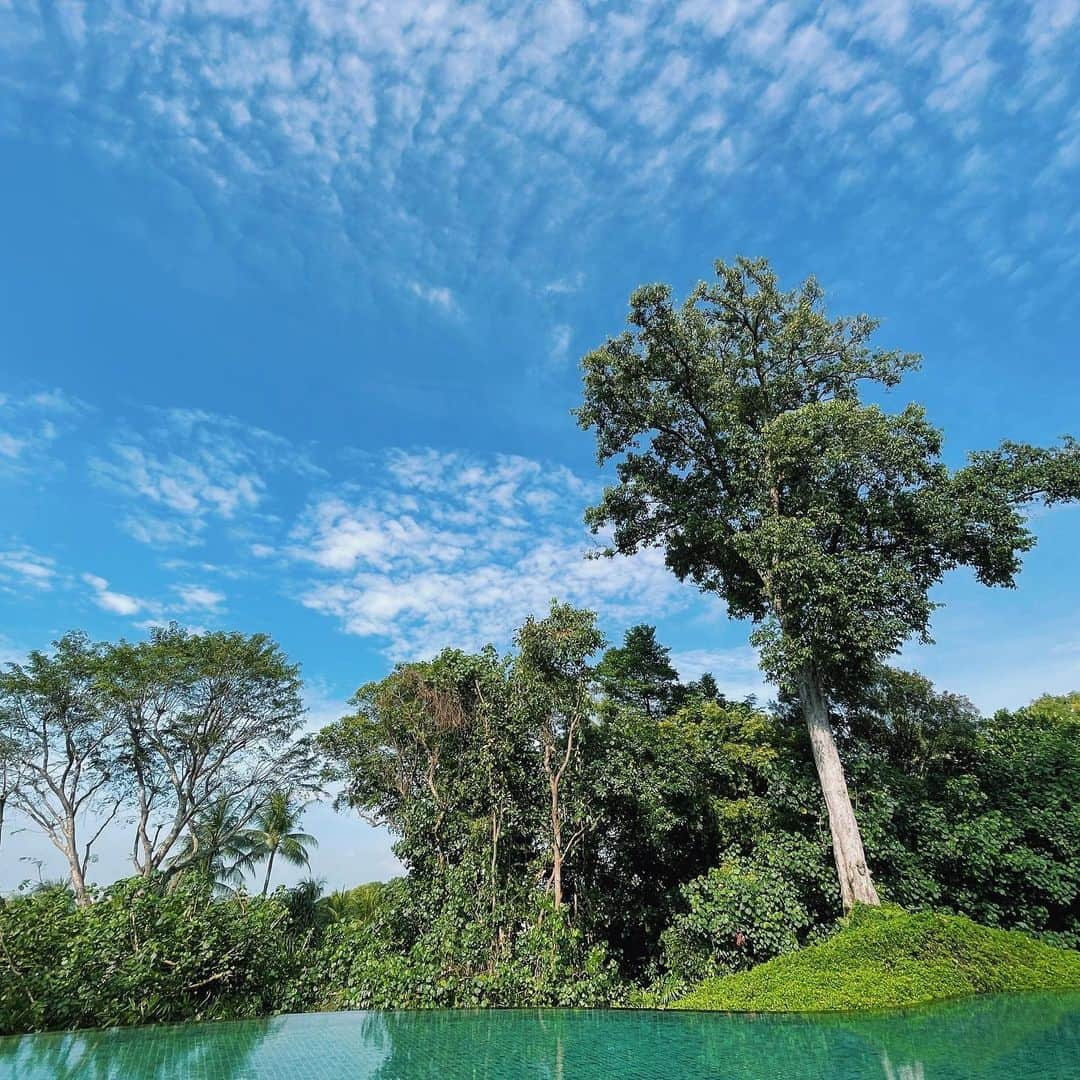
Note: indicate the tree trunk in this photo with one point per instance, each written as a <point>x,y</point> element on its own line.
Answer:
<point>556,846</point>
<point>78,881</point>
<point>856,884</point>
<point>269,867</point>
<point>70,848</point>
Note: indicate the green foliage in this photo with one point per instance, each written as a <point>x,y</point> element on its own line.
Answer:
<point>389,963</point>
<point>744,450</point>
<point>639,673</point>
<point>61,747</point>
<point>359,904</point>
<point>889,959</point>
<point>216,846</point>
<point>141,953</point>
<point>191,733</point>
<point>667,795</point>
<point>739,914</point>
<point>978,817</point>
<point>205,717</point>
<point>572,834</point>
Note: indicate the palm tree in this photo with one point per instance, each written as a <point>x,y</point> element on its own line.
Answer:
<point>358,904</point>
<point>276,833</point>
<point>218,846</point>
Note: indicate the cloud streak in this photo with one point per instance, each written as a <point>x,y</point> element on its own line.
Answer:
<point>190,468</point>
<point>30,426</point>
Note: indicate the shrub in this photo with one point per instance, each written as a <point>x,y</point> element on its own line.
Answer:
<point>456,963</point>
<point>140,953</point>
<point>739,914</point>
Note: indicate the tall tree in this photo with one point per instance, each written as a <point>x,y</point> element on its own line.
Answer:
<point>407,755</point>
<point>276,833</point>
<point>206,718</point>
<point>60,749</point>
<point>551,688</point>
<point>436,754</point>
<point>638,673</point>
<point>744,450</point>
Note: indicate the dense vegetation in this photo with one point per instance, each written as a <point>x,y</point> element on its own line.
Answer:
<point>890,959</point>
<point>703,847</point>
<point>579,825</point>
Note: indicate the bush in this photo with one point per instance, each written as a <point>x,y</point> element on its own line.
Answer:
<point>456,963</point>
<point>739,914</point>
<point>139,954</point>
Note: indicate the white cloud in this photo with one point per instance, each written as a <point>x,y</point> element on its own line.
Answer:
<point>161,532</point>
<point>199,598</point>
<point>10,446</point>
<point>192,488</point>
<point>450,549</point>
<point>29,426</point>
<point>561,336</point>
<point>189,598</point>
<point>191,468</point>
<point>565,286</point>
<point>25,568</point>
<point>116,603</point>
<point>438,296</point>
<point>407,131</point>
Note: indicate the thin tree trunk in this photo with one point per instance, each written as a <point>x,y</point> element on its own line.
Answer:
<point>856,884</point>
<point>556,846</point>
<point>269,867</point>
<point>70,849</point>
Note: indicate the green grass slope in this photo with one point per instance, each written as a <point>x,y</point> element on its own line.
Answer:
<point>886,958</point>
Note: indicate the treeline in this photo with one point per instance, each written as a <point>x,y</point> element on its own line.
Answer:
<point>651,830</point>
<point>578,826</point>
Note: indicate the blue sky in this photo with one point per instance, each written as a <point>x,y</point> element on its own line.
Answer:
<point>292,297</point>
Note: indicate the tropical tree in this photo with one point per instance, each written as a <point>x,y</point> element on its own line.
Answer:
<point>58,739</point>
<point>207,720</point>
<point>218,846</point>
<point>276,834</point>
<point>745,452</point>
<point>429,752</point>
<point>551,688</point>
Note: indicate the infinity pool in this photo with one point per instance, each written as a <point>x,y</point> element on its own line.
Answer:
<point>974,1039</point>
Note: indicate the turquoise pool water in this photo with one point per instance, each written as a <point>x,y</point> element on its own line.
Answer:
<point>1034,1037</point>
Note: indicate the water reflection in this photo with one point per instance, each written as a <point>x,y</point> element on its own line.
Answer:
<point>150,1053</point>
<point>974,1039</point>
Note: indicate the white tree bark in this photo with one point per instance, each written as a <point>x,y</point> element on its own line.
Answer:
<point>856,884</point>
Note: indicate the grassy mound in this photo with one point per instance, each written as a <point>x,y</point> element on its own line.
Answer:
<point>886,958</point>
